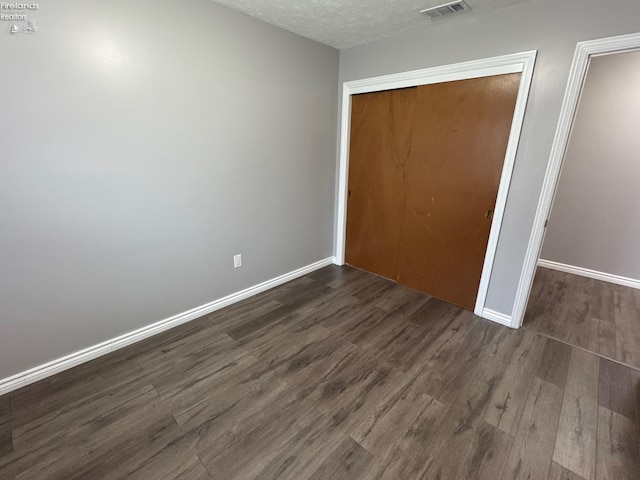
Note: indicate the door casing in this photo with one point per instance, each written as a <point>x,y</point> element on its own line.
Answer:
<point>515,63</point>
<point>583,54</point>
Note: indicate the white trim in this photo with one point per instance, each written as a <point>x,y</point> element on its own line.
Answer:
<point>585,272</point>
<point>505,181</point>
<point>56,366</point>
<point>584,51</point>
<point>519,62</point>
<point>497,317</point>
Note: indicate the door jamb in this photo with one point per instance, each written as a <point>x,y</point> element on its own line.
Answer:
<point>515,63</point>
<point>581,59</point>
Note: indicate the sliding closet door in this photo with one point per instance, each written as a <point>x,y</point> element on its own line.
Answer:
<point>424,171</point>
<point>452,183</point>
<point>381,134</point>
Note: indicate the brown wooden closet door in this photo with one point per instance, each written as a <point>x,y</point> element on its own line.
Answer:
<point>381,135</point>
<point>428,182</point>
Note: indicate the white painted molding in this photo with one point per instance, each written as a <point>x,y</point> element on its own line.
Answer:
<point>505,181</point>
<point>584,52</point>
<point>585,272</point>
<point>519,62</point>
<point>497,317</point>
<point>61,364</point>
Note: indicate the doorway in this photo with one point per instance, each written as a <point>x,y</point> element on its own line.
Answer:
<point>586,290</point>
<point>521,64</point>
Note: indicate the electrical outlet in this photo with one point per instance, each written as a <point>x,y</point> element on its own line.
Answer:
<point>237,261</point>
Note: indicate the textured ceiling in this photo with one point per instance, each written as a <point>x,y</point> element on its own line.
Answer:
<point>347,23</point>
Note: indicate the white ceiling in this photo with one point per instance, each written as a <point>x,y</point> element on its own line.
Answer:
<point>347,23</point>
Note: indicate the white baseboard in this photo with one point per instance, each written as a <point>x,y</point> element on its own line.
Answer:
<point>61,364</point>
<point>585,272</point>
<point>497,317</point>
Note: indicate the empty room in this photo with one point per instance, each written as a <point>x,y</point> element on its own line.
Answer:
<point>320,240</point>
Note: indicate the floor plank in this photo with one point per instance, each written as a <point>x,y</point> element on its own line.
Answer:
<point>558,472</point>
<point>239,442</point>
<point>554,364</point>
<point>402,301</point>
<point>577,321</point>
<point>626,315</point>
<point>396,464</point>
<point>530,456</point>
<point>488,454</point>
<point>458,432</point>
<point>6,441</point>
<point>615,390</point>
<point>604,338</point>
<point>549,303</point>
<point>617,447</point>
<point>401,415</point>
<point>635,392</point>
<point>575,447</point>
<point>107,440</point>
<point>511,394</point>
<point>346,462</point>
<point>304,454</point>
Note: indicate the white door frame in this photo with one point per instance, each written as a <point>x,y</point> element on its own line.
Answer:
<point>584,52</point>
<point>515,63</point>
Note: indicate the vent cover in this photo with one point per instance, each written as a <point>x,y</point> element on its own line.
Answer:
<point>445,10</point>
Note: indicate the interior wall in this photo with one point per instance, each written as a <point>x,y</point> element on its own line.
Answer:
<point>595,221</point>
<point>551,27</point>
<point>144,144</point>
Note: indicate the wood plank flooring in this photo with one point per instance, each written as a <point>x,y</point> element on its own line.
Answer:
<point>337,375</point>
<point>600,317</point>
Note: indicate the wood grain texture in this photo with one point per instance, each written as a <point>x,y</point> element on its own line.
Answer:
<point>530,455</point>
<point>615,390</point>
<point>549,303</point>
<point>578,315</point>
<point>575,447</point>
<point>511,394</point>
<point>598,316</point>
<point>488,453</point>
<point>424,170</point>
<point>635,391</point>
<point>336,375</point>
<point>603,338</point>
<point>347,461</point>
<point>617,447</point>
<point>380,149</point>
<point>627,320</point>
<point>398,416</point>
<point>458,150</point>
<point>6,440</point>
<point>554,364</point>
<point>558,472</point>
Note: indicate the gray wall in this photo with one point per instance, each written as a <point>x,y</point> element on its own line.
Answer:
<point>553,28</point>
<point>595,221</point>
<point>143,144</point>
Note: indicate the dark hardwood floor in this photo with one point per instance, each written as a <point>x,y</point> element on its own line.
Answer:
<point>600,317</point>
<point>336,375</point>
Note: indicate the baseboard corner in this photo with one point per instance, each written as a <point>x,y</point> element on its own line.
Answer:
<point>497,317</point>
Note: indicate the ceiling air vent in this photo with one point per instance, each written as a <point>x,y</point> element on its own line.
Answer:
<point>445,9</point>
